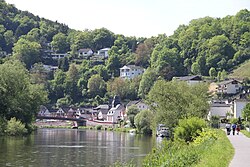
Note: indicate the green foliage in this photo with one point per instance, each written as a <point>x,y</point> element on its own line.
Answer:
<point>246,112</point>
<point>212,150</point>
<point>26,51</point>
<point>189,129</point>
<point>143,121</point>
<point>15,127</point>
<point>19,98</point>
<point>98,127</point>
<point>131,113</point>
<point>204,136</point>
<point>173,100</point>
<point>147,81</point>
<point>172,154</point>
<point>3,124</point>
<point>96,86</point>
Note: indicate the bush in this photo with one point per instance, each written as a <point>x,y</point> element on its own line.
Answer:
<point>98,127</point>
<point>15,128</point>
<point>3,124</point>
<point>142,121</point>
<point>188,129</point>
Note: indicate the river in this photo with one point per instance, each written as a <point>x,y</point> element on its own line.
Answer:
<point>71,147</point>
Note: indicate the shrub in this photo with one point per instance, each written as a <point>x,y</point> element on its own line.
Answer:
<point>3,124</point>
<point>98,127</point>
<point>205,135</point>
<point>15,128</point>
<point>143,121</point>
<point>188,129</point>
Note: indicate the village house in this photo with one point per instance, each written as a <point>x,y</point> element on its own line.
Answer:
<point>191,80</point>
<point>238,106</point>
<point>85,52</point>
<point>44,111</point>
<point>101,111</point>
<point>139,104</point>
<point>103,52</point>
<point>231,86</point>
<point>223,109</point>
<point>130,71</point>
<point>116,111</point>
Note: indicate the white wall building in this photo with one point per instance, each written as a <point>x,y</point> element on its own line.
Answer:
<point>130,71</point>
<point>229,87</point>
<point>103,52</point>
<point>115,113</point>
<point>238,107</point>
<point>220,109</point>
<point>85,52</point>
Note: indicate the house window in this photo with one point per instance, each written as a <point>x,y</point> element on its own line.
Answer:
<point>236,86</point>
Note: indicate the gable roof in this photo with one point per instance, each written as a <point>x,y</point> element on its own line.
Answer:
<point>133,102</point>
<point>226,82</point>
<point>84,50</point>
<point>188,78</point>
<point>131,67</point>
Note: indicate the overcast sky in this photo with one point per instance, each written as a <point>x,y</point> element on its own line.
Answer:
<point>141,18</point>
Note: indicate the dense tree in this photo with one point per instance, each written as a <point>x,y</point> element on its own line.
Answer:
<point>19,98</point>
<point>143,121</point>
<point>176,100</point>
<point>59,43</point>
<point>96,86</point>
<point>26,51</point>
<point>71,88</point>
<point>246,112</point>
<point>131,113</point>
<point>147,81</point>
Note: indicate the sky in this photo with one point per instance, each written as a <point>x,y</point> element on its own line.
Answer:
<point>140,18</point>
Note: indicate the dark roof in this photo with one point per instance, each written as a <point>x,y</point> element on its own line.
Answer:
<point>188,78</point>
<point>229,81</point>
<point>134,102</point>
<point>84,50</point>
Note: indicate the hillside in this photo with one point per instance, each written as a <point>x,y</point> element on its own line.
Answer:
<point>243,71</point>
<point>53,54</point>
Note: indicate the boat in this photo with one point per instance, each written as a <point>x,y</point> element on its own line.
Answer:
<point>162,131</point>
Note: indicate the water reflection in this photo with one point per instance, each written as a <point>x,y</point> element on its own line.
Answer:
<point>59,147</point>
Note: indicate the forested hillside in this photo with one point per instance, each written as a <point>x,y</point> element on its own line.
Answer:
<point>206,46</point>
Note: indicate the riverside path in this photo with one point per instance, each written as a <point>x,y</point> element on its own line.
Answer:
<point>241,144</point>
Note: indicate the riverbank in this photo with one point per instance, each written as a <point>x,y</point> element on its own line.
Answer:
<point>69,125</point>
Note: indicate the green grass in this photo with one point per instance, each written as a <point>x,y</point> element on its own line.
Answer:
<point>246,133</point>
<point>242,71</point>
<point>220,153</point>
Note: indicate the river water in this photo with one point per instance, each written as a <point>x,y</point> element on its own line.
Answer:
<point>71,147</point>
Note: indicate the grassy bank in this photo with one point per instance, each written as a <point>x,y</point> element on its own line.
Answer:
<point>215,151</point>
<point>246,133</point>
<point>218,153</point>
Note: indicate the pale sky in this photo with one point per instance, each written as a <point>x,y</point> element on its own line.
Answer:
<point>141,18</point>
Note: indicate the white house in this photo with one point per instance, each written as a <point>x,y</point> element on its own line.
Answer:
<point>60,112</point>
<point>231,86</point>
<point>191,80</point>
<point>139,104</point>
<point>103,52</point>
<point>238,106</point>
<point>220,109</point>
<point>130,71</point>
<point>114,114</point>
<point>58,55</point>
<point>85,52</point>
<point>44,111</point>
